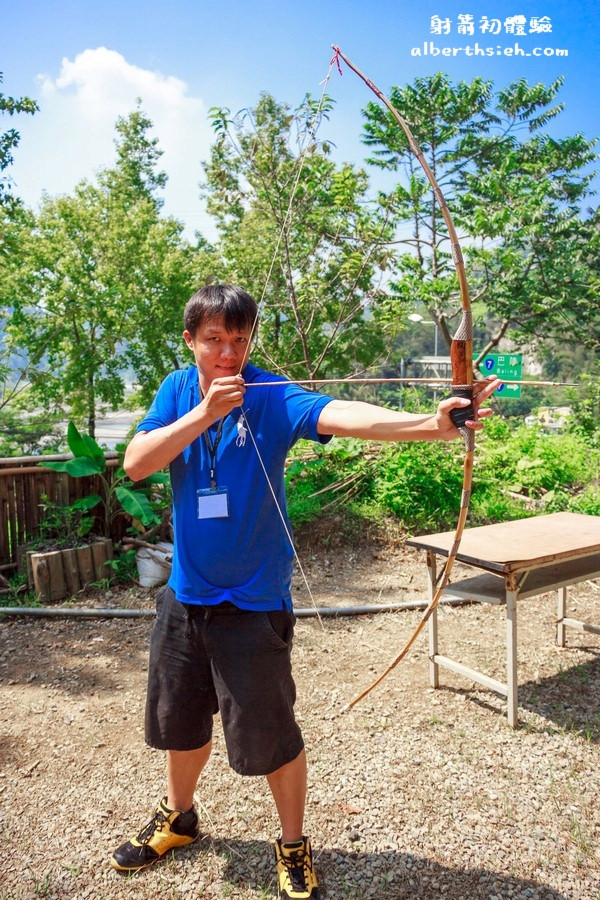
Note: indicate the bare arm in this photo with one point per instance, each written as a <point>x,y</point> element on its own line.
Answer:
<point>347,418</point>
<point>150,451</point>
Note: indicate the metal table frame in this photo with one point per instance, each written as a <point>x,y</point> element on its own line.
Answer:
<point>504,583</point>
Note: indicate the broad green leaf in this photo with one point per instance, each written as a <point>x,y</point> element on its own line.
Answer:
<point>84,445</point>
<point>75,441</point>
<point>81,465</point>
<point>158,478</point>
<point>87,502</point>
<point>136,504</point>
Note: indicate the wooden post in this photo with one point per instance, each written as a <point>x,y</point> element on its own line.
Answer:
<point>40,576</point>
<point>86,564</point>
<point>58,587</point>
<point>102,550</point>
<point>48,576</point>
<point>28,555</point>
<point>71,570</point>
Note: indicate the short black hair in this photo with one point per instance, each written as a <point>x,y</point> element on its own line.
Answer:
<point>234,306</point>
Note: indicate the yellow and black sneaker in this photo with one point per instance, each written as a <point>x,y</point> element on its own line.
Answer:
<point>168,828</point>
<point>295,872</point>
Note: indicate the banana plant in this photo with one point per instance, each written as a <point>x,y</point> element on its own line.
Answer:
<point>88,459</point>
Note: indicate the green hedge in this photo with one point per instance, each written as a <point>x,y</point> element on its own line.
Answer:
<point>419,483</point>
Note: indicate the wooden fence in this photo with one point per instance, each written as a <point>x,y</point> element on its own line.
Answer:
<point>23,485</point>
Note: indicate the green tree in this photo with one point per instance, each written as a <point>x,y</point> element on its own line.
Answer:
<point>9,140</point>
<point>538,251</point>
<point>162,269</point>
<point>99,281</point>
<point>440,115</point>
<point>13,216</point>
<point>517,202</point>
<point>298,232</point>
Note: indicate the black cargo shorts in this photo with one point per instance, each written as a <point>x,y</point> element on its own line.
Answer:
<point>209,659</point>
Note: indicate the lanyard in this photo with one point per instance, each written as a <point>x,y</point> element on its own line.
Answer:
<point>212,447</point>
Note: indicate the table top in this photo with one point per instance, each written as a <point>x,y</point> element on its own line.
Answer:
<point>522,544</point>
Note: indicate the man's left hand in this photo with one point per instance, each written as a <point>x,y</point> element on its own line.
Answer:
<point>482,391</point>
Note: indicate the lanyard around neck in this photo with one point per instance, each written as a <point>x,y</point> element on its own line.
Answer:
<point>212,447</point>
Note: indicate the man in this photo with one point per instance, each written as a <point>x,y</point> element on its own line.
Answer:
<point>223,632</point>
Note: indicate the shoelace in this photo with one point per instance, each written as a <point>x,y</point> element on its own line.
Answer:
<point>295,864</point>
<point>155,824</point>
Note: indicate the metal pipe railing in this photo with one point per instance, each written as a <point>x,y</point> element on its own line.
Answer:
<point>303,613</point>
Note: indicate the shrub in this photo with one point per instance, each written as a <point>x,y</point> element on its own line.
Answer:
<point>518,472</point>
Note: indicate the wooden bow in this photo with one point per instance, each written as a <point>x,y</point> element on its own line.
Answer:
<point>461,355</point>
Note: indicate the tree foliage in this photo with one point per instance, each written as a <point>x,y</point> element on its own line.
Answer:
<point>95,282</point>
<point>12,216</point>
<point>298,231</point>
<point>9,141</point>
<point>99,283</point>
<point>516,194</point>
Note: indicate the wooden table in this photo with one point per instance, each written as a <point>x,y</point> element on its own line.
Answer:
<point>521,559</point>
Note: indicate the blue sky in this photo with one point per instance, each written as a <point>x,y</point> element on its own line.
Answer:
<point>85,63</point>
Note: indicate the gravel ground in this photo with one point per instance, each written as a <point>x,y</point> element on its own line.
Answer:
<point>414,793</point>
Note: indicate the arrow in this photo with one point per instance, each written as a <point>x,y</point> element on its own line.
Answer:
<point>313,381</point>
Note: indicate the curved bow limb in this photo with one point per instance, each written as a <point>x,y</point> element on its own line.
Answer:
<point>461,355</point>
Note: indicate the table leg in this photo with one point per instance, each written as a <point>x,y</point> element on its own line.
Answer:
<point>561,631</point>
<point>511,658</point>
<point>434,669</point>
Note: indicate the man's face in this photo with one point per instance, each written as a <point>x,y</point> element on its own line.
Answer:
<point>218,353</point>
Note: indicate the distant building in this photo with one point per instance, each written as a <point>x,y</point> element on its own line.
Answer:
<point>550,418</point>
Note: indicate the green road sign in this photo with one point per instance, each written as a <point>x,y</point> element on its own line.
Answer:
<point>507,366</point>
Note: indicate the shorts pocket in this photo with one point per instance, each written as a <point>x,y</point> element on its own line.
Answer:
<point>166,602</point>
<point>280,623</point>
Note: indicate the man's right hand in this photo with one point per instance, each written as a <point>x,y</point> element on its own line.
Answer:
<point>223,395</point>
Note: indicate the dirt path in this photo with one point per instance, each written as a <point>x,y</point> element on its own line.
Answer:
<point>415,793</point>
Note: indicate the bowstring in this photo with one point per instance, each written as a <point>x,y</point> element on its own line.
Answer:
<point>310,134</point>
<point>285,526</point>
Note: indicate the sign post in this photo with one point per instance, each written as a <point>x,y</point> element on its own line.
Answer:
<point>504,365</point>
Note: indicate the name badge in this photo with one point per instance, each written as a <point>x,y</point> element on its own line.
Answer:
<point>212,503</point>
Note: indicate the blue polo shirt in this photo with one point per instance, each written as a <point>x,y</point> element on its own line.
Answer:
<point>245,558</point>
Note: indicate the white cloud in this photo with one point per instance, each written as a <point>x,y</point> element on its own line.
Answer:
<point>72,136</point>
